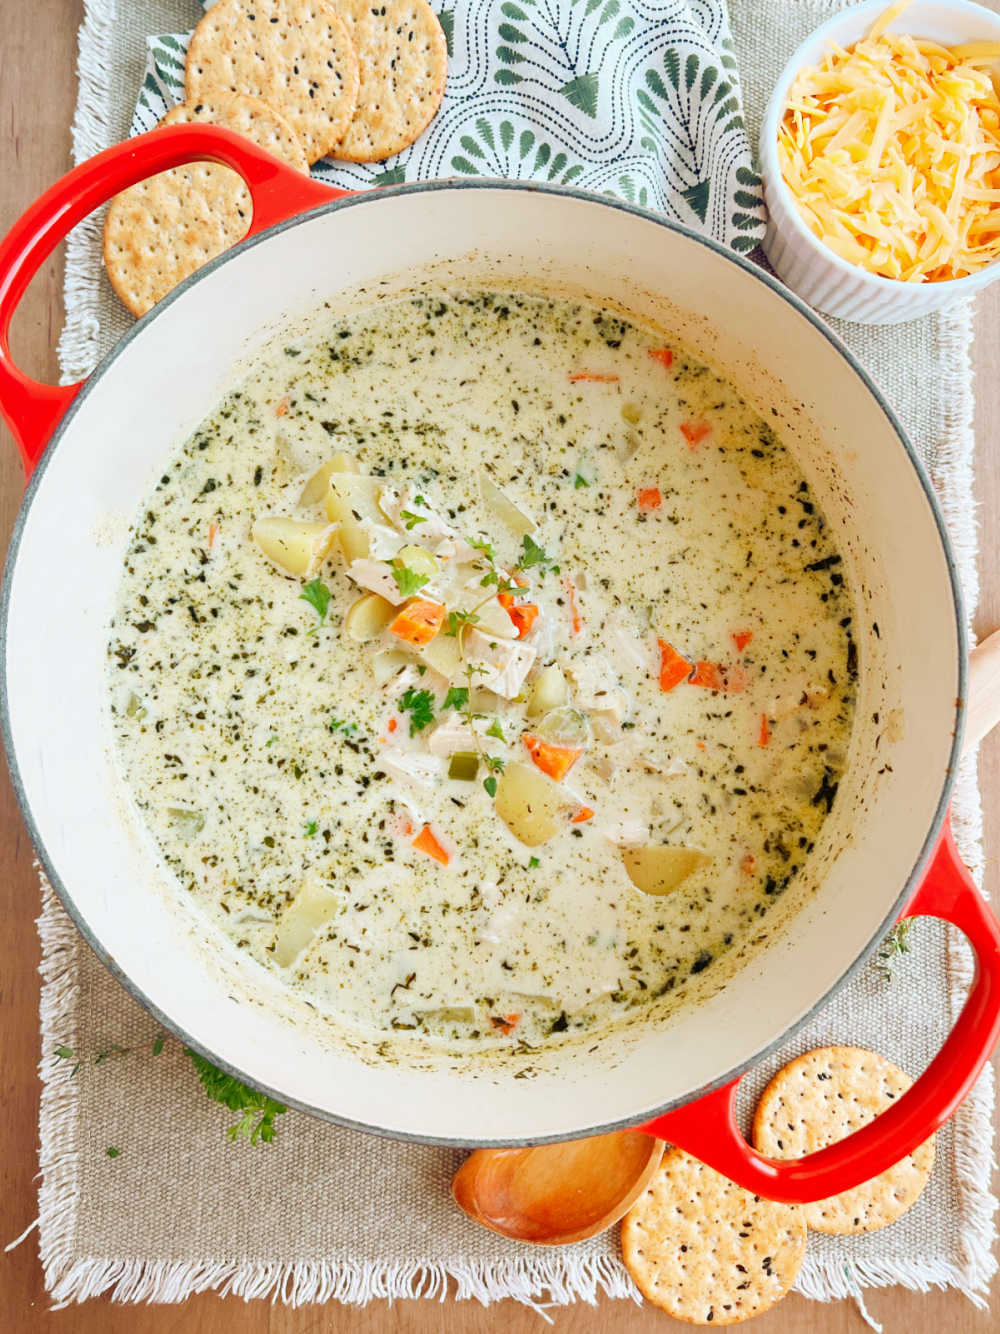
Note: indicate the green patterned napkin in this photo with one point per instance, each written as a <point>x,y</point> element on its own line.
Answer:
<point>634,98</point>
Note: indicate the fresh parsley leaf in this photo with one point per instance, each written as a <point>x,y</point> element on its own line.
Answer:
<point>113,1152</point>
<point>317,595</point>
<point>456,698</point>
<point>419,500</point>
<point>270,741</point>
<point>456,619</point>
<point>338,725</point>
<point>534,861</point>
<point>411,520</point>
<point>495,764</point>
<point>256,1110</point>
<point>68,1054</point>
<point>496,730</point>
<point>420,706</point>
<point>310,829</point>
<point>485,547</point>
<point>408,581</point>
<point>490,784</point>
<point>158,1043</point>
<point>579,482</point>
<point>421,669</point>
<point>532,553</point>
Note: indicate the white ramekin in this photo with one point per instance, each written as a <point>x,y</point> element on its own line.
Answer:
<point>810,268</point>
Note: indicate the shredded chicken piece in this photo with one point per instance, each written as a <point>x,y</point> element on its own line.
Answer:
<point>597,687</point>
<point>451,735</point>
<point>429,531</point>
<point>504,663</point>
<point>411,766</point>
<point>376,576</point>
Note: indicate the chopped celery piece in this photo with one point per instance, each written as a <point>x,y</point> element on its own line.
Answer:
<point>464,766</point>
<point>187,822</point>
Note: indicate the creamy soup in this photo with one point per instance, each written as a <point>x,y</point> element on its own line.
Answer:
<point>483,667</point>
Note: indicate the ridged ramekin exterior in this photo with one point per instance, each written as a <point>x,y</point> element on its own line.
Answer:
<point>802,261</point>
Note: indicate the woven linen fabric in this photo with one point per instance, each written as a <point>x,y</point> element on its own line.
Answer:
<point>313,1216</point>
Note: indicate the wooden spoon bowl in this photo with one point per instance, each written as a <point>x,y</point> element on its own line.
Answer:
<point>555,1194</point>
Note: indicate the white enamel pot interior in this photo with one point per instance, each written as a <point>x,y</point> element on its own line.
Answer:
<point>169,373</point>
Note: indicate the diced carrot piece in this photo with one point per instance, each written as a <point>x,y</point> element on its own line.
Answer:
<point>748,863</point>
<point>661,354</point>
<point>282,407</point>
<point>418,622</point>
<point>583,814</point>
<point>673,668</point>
<point>711,676</point>
<point>506,1023</point>
<point>392,725</point>
<point>426,842</point>
<point>737,678</point>
<point>695,432</point>
<point>523,614</point>
<point>764,735</point>
<point>708,674</point>
<point>741,638</point>
<point>593,377</point>
<point>213,533</point>
<point>556,761</point>
<point>524,617</point>
<point>575,619</point>
<point>648,498</point>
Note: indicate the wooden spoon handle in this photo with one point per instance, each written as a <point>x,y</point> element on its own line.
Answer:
<point>983,710</point>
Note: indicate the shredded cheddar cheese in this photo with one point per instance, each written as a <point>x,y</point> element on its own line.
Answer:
<point>891,149</point>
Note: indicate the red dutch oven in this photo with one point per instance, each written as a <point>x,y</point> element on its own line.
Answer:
<point>93,451</point>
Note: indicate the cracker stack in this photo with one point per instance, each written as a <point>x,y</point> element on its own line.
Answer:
<point>709,1252</point>
<point>304,79</point>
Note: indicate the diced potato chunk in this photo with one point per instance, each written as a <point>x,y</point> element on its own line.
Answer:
<point>294,545</point>
<point>368,617</point>
<point>548,691</point>
<point>444,655</point>
<point>660,869</point>
<point>313,906</point>
<point>529,804</point>
<point>318,484</point>
<point>504,508</point>
<point>349,501</point>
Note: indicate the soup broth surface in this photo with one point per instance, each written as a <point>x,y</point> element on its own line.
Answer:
<point>589,719</point>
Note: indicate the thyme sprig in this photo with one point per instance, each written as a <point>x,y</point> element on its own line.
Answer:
<point>896,944</point>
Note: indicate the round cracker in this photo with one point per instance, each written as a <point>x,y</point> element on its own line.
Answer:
<point>706,1250</point>
<point>295,54</point>
<point>158,232</point>
<point>403,56</point>
<point>819,1098</point>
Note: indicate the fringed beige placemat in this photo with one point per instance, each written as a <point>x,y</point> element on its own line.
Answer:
<point>312,1217</point>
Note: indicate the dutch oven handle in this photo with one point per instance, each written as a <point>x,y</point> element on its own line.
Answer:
<point>708,1129</point>
<point>32,410</point>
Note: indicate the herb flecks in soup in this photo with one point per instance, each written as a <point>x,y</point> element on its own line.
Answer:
<point>484,667</point>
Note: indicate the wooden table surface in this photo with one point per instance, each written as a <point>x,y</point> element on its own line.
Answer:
<point>37,94</point>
